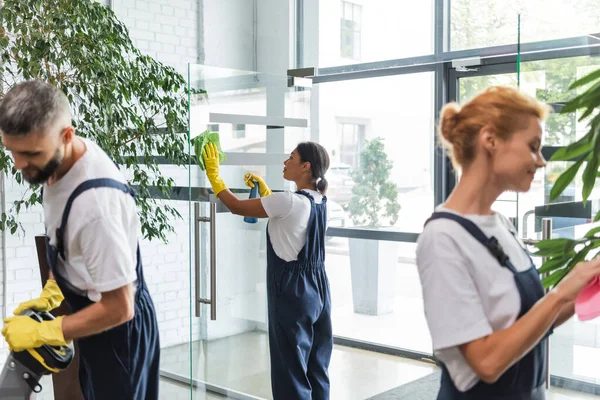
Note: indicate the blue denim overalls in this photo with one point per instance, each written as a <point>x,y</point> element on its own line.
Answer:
<point>299,303</point>
<point>123,362</point>
<point>525,380</point>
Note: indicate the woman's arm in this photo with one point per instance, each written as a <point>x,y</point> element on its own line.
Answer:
<point>492,355</point>
<point>246,208</point>
<point>457,317</point>
<point>566,313</point>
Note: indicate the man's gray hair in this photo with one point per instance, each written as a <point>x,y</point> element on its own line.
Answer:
<point>31,106</point>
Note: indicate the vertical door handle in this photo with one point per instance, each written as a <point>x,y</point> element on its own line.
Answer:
<point>213,259</point>
<point>547,234</point>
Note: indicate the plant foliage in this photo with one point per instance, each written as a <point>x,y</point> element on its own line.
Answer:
<point>134,107</point>
<point>563,254</point>
<point>375,197</point>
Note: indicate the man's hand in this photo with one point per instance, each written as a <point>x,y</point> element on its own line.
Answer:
<point>22,333</point>
<point>50,298</point>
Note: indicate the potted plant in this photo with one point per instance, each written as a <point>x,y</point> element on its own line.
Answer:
<point>374,204</point>
<point>563,254</point>
<point>133,106</point>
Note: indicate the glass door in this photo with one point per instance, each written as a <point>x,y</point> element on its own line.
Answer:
<point>574,345</point>
<point>259,119</point>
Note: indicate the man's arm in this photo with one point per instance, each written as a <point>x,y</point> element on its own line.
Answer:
<point>110,258</point>
<point>115,308</point>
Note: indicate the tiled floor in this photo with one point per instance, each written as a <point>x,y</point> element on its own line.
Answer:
<point>241,363</point>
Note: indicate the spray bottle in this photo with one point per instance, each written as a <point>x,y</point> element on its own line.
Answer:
<point>253,195</point>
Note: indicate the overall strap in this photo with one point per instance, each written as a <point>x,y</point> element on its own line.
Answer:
<point>310,196</point>
<point>89,184</point>
<point>305,194</point>
<point>313,250</point>
<point>490,243</point>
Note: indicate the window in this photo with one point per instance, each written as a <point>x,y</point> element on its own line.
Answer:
<point>404,157</point>
<point>363,31</point>
<point>481,23</point>
<point>350,29</point>
<point>352,137</point>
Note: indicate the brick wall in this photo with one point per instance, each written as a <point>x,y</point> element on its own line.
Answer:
<point>164,29</point>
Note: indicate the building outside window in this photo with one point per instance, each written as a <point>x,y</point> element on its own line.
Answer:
<point>350,30</point>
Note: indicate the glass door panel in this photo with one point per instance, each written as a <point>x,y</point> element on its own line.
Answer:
<point>259,118</point>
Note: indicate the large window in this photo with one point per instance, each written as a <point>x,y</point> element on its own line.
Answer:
<point>403,159</point>
<point>412,61</point>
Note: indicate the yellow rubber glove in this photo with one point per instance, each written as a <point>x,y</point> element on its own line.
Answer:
<point>211,162</point>
<point>50,298</point>
<point>263,189</point>
<point>22,333</point>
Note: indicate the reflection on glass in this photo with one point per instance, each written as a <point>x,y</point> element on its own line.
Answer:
<point>483,23</point>
<point>387,183</point>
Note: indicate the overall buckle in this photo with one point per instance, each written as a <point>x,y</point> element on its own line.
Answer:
<point>496,249</point>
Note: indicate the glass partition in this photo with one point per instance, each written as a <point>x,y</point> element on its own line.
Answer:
<point>222,348</point>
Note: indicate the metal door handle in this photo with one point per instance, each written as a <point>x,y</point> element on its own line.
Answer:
<point>213,259</point>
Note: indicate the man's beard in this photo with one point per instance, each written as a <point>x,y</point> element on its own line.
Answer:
<point>43,174</point>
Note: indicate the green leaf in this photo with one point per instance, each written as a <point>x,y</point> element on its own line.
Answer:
<point>554,247</point>
<point>559,243</point>
<point>579,148</point>
<point>589,176</point>
<point>554,263</point>
<point>592,76</point>
<point>565,179</point>
<point>592,232</point>
<point>554,278</point>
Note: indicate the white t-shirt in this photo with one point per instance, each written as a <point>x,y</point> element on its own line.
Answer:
<point>102,230</point>
<point>288,214</point>
<point>467,294</point>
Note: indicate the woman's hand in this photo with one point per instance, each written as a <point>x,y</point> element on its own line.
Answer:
<point>211,162</point>
<point>263,189</point>
<point>569,287</point>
